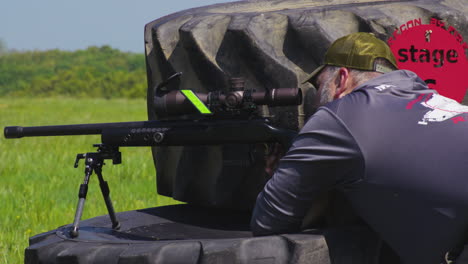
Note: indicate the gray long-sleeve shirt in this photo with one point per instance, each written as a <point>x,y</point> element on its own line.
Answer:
<point>397,150</point>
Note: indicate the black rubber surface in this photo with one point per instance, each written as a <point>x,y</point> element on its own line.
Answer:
<point>188,234</point>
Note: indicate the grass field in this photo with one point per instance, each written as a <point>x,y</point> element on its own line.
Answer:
<point>38,184</point>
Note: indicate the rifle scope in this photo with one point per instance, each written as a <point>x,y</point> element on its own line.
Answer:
<point>176,103</point>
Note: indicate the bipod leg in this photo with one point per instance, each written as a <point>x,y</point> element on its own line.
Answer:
<point>105,194</point>
<point>94,162</point>
<point>82,198</point>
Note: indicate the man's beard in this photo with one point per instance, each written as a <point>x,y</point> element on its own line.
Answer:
<point>322,94</point>
<point>325,91</point>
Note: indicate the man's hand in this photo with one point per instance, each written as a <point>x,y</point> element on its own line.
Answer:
<point>275,152</point>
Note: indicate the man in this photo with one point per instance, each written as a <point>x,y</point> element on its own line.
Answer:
<point>395,149</point>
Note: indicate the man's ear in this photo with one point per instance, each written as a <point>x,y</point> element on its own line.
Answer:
<point>343,83</point>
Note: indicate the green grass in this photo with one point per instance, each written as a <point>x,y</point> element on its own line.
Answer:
<point>38,184</point>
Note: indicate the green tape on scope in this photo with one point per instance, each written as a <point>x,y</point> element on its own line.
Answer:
<point>193,98</point>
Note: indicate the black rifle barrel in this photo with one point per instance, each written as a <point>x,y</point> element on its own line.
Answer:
<point>68,130</point>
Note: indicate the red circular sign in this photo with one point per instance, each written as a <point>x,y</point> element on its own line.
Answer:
<point>436,55</point>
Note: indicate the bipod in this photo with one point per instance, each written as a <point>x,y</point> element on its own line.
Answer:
<point>94,162</point>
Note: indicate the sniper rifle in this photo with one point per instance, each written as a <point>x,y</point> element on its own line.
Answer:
<point>203,119</point>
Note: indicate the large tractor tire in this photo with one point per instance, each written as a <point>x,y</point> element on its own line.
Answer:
<point>189,234</point>
<point>271,44</point>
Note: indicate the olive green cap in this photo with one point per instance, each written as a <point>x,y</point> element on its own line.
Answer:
<point>357,51</point>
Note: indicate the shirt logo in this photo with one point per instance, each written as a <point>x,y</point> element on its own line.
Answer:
<point>383,87</point>
<point>442,109</point>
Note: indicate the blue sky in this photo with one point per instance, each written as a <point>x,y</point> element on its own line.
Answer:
<point>71,25</point>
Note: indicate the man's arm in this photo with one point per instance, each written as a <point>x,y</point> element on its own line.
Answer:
<point>323,156</point>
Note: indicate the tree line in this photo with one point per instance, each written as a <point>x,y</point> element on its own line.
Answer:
<point>94,72</point>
